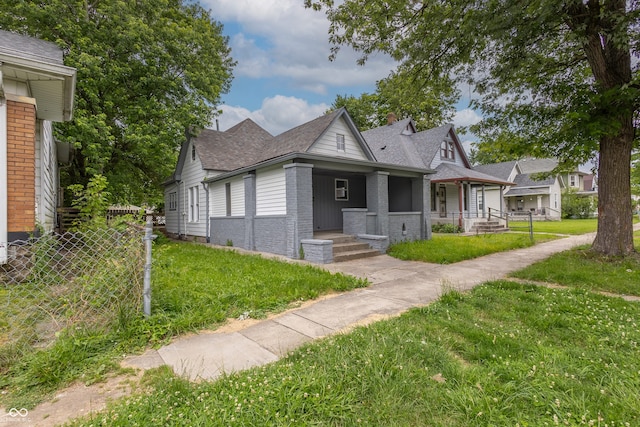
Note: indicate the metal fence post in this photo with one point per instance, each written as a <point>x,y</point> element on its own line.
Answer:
<point>531,225</point>
<point>148,239</point>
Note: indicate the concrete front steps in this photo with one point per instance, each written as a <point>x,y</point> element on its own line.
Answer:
<point>488,227</point>
<point>347,248</point>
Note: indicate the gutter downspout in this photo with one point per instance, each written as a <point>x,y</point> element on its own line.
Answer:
<point>205,187</point>
<point>4,234</point>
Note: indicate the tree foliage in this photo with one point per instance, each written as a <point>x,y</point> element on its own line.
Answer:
<point>146,70</point>
<point>404,94</point>
<point>555,78</point>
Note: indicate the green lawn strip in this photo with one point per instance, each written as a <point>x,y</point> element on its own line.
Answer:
<point>582,268</point>
<point>448,249</point>
<point>193,287</point>
<point>504,354</point>
<point>566,226</point>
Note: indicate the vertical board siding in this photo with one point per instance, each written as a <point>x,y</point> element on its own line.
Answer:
<point>271,192</point>
<point>326,145</point>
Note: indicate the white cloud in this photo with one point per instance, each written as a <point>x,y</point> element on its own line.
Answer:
<point>466,117</point>
<point>276,115</point>
<point>280,38</point>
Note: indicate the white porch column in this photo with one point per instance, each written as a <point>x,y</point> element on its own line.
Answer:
<point>539,204</point>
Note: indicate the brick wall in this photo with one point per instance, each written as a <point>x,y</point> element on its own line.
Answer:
<point>21,191</point>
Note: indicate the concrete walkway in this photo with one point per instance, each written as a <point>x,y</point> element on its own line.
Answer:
<point>396,287</point>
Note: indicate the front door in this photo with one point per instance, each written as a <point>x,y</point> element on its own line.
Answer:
<point>442,201</point>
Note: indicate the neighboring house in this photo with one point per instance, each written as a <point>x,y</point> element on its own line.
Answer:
<point>35,90</point>
<point>456,194</point>
<point>538,191</point>
<point>279,194</point>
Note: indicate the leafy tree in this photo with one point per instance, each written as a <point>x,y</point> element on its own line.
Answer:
<point>555,76</point>
<point>576,206</point>
<point>146,70</point>
<point>405,95</point>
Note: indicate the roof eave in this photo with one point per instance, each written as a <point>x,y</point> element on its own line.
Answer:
<point>316,157</point>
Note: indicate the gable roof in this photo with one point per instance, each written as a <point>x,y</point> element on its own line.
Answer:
<point>398,143</point>
<point>301,138</point>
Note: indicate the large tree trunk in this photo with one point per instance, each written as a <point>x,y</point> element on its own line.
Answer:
<point>615,218</point>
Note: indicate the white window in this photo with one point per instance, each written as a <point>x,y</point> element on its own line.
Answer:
<point>194,205</point>
<point>342,189</point>
<point>340,146</point>
<point>173,201</point>
<point>480,202</point>
<point>447,150</point>
<point>572,180</point>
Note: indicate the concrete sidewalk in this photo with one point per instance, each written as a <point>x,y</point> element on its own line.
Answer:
<point>396,287</point>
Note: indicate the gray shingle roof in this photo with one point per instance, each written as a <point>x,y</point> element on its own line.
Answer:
<point>527,180</point>
<point>499,170</point>
<point>233,149</point>
<point>390,145</point>
<point>30,47</point>
<point>452,172</point>
<point>537,165</point>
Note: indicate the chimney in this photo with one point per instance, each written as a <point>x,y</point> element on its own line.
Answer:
<point>391,118</point>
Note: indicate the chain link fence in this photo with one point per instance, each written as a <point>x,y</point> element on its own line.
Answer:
<point>62,283</point>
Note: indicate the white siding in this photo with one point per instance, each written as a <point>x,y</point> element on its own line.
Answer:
<point>217,198</point>
<point>271,192</point>
<point>192,176</point>
<point>326,145</point>
<point>172,213</point>
<point>237,197</point>
<point>46,176</point>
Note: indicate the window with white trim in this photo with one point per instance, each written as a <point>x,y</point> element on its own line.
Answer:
<point>340,145</point>
<point>447,150</point>
<point>194,204</point>
<point>173,201</point>
<point>342,189</point>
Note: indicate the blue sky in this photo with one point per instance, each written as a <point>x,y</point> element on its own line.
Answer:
<point>283,77</point>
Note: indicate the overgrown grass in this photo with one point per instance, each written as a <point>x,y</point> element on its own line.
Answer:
<point>448,249</point>
<point>504,354</point>
<point>197,286</point>
<point>193,287</point>
<point>583,268</point>
<point>566,226</point>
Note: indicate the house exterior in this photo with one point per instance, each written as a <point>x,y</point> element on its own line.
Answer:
<point>457,191</point>
<point>36,89</point>
<point>538,191</point>
<point>278,194</point>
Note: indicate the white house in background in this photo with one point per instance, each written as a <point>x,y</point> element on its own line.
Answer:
<point>456,194</point>
<point>537,191</point>
<point>36,89</point>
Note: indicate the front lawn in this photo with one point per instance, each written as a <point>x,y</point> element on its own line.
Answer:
<point>504,354</point>
<point>448,249</point>
<point>566,226</point>
<point>193,287</point>
<point>582,268</point>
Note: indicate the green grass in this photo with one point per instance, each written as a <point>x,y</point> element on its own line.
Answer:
<point>193,287</point>
<point>448,249</point>
<point>504,354</point>
<point>196,286</point>
<point>566,226</point>
<point>582,268</point>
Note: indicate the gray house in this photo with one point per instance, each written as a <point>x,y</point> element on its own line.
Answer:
<point>286,194</point>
